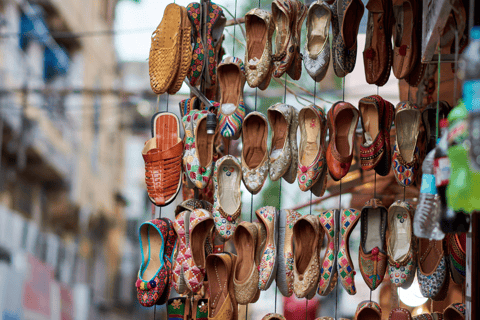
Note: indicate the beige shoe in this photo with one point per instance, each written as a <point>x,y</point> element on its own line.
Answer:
<point>258,56</point>
<point>307,239</point>
<point>268,264</point>
<point>245,279</point>
<point>255,152</point>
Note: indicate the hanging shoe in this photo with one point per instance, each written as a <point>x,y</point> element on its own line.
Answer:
<point>181,226</point>
<point>168,255</point>
<point>455,311</point>
<point>348,220</point>
<point>255,151</point>
<point>342,120</point>
<point>215,24</point>
<point>245,276</point>
<point>307,239</point>
<point>231,76</point>
<point>295,69</point>
<point>456,244</point>
<point>164,58</point>
<point>222,304</point>
<point>178,308</point>
<point>312,166</point>
<point>350,14</point>
<point>153,274</point>
<point>401,244</point>
<point>283,16</point>
<point>329,221</point>
<point>378,54</point>
<point>432,269</point>
<point>284,277</point>
<point>227,207</point>
<point>200,309</point>
<point>376,115</point>
<point>185,54</point>
<point>291,175</point>
<point>406,153</point>
<point>162,155</point>
<point>317,47</point>
<point>198,154</point>
<point>368,310</point>
<point>194,12</point>
<point>336,39</point>
<point>268,264</point>
<point>372,255</point>
<point>400,314</point>
<point>282,122</point>
<point>259,29</point>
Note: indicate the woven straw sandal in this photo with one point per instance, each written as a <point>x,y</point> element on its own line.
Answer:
<point>185,53</point>
<point>164,56</point>
<point>163,159</point>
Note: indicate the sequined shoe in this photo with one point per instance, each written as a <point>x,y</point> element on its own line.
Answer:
<point>348,220</point>
<point>268,264</point>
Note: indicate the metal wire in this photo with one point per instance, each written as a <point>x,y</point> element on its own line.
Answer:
<point>154,311</point>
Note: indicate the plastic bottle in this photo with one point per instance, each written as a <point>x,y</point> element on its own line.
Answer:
<point>464,186</point>
<point>425,223</point>
<point>470,74</point>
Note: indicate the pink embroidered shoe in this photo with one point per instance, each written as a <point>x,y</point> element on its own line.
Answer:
<point>181,225</point>
<point>348,220</point>
<point>268,264</point>
<point>328,267</point>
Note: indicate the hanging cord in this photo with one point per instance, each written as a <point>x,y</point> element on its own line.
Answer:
<point>377,90</point>
<point>154,311</point>
<point>343,99</point>
<point>234,29</point>
<point>375,186</point>
<point>336,239</point>
<point>455,79</point>
<point>403,193</point>
<point>438,92</point>
<point>306,309</point>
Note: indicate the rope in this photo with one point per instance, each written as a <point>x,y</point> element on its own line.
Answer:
<point>234,28</point>
<point>306,309</point>
<point>403,193</point>
<point>375,186</point>
<point>438,92</point>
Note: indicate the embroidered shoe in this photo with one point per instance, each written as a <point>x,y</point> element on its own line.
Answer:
<point>255,151</point>
<point>432,269</point>
<point>456,244</point>
<point>376,115</point>
<point>406,152</point>
<point>245,278</point>
<point>455,311</point>
<point>281,118</point>
<point>153,274</point>
<point>328,267</point>
<point>348,220</point>
<point>350,14</point>
<point>168,255</point>
<point>259,29</point>
<point>291,175</point>
<point>215,24</point>
<point>317,48</point>
<point>372,252</point>
<point>368,310</point>
<point>339,71</point>
<point>198,153</point>
<point>231,76</point>
<point>307,237</point>
<point>268,264</point>
<point>295,69</point>
<point>312,168</point>
<point>284,276</point>
<point>194,12</point>
<point>283,16</point>
<point>227,207</point>
<point>178,308</point>
<point>162,155</point>
<point>342,120</point>
<point>181,226</point>
<point>401,244</point>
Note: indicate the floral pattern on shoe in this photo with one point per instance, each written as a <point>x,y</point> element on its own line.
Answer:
<point>255,178</point>
<point>328,267</point>
<point>405,173</point>
<point>214,13</point>
<point>400,274</point>
<point>348,220</point>
<point>431,285</point>
<point>266,265</point>
<point>292,217</point>
<point>179,266</point>
<point>198,175</point>
<point>196,66</point>
<point>373,267</point>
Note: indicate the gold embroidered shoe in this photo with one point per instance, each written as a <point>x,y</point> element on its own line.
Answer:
<point>284,278</point>
<point>259,29</point>
<point>328,268</point>
<point>307,237</point>
<point>227,207</point>
<point>268,264</point>
<point>348,220</point>
<point>254,152</point>
<point>245,279</point>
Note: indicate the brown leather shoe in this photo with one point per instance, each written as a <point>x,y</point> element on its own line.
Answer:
<point>222,304</point>
<point>372,256</point>
<point>163,159</point>
<point>399,314</point>
<point>376,117</point>
<point>368,310</point>
<point>342,119</point>
<point>378,52</point>
<point>406,50</point>
<point>455,311</point>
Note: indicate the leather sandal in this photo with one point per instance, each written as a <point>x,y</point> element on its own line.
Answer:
<point>163,155</point>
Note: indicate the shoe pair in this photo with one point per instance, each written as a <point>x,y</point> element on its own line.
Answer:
<point>337,226</point>
<point>455,311</point>
<point>206,42</point>
<point>185,308</point>
<point>157,241</point>
<point>370,310</point>
<point>281,161</point>
<point>170,51</point>
<point>163,155</point>
<point>193,228</point>
<point>288,18</point>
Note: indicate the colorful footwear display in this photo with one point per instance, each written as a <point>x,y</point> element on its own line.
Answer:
<point>231,76</point>
<point>163,159</point>
<point>401,244</point>
<point>372,255</point>
<point>255,160</point>
<point>227,207</point>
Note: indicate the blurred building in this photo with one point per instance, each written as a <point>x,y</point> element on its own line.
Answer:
<point>62,143</point>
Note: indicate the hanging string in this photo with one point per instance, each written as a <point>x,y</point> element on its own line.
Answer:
<point>377,90</point>
<point>375,186</point>
<point>336,240</point>
<point>343,99</point>
<point>306,309</point>
<point>455,79</point>
<point>404,193</point>
<point>409,97</point>
<point>234,29</point>
<point>438,92</point>
<point>311,193</point>
<point>154,311</point>
<point>370,295</point>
